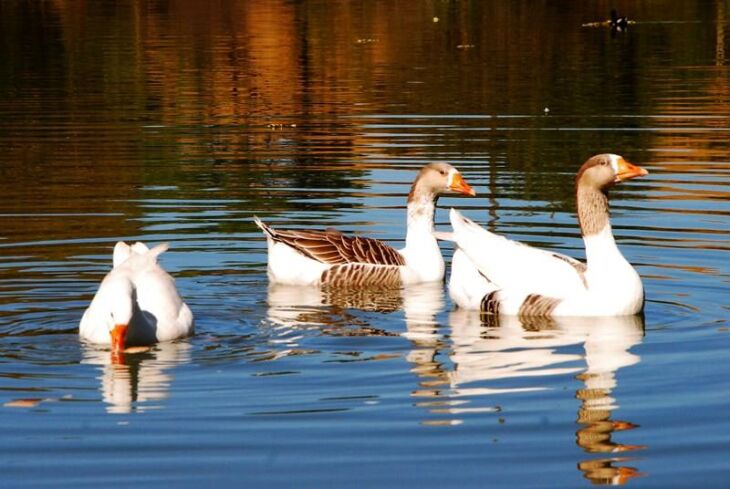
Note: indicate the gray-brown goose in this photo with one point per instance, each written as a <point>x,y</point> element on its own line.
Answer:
<point>500,276</point>
<point>304,257</point>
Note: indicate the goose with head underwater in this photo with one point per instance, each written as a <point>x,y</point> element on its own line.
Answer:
<point>306,257</point>
<point>137,303</point>
<point>500,276</point>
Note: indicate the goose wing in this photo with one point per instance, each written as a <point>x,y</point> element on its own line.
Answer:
<point>334,248</point>
<point>514,266</point>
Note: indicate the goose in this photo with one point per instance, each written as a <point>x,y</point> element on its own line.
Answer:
<point>304,257</point>
<point>137,302</point>
<point>500,276</point>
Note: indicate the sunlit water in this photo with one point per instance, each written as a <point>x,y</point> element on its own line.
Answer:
<point>178,123</point>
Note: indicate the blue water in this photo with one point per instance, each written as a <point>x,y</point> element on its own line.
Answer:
<point>180,122</point>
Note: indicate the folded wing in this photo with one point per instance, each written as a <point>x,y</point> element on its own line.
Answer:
<point>516,267</point>
<point>334,248</point>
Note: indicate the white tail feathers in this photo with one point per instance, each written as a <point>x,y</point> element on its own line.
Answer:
<point>266,229</point>
<point>158,250</point>
<point>122,251</point>
<point>459,222</point>
<point>140,248</point>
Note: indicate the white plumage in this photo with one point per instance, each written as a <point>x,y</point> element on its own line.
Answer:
<point>138,296</point>
<point>501,276</point>
<point>306,257</point>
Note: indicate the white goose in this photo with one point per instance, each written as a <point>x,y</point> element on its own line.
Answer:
<point>137,302</point>
<point>500,276</point>
<point>299,257</point>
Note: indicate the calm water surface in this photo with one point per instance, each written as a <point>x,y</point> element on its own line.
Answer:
<point>178,121</point>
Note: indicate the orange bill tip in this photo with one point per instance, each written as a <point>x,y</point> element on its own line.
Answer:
<point>458,184</point>
<point>118,334</point>
<point>628,170</point>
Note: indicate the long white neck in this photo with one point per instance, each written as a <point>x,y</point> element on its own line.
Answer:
<point>422,253</point>
<point>601,248</point>
<point>420,225</point>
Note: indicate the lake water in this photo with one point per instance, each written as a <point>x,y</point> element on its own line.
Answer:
<point>179,121</point>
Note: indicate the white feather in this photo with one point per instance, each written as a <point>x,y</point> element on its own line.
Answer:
<point>513,265</point>
<point>609,287</point>
<point>288,266</point>
<point>467,286</point>
<point>158,312</point>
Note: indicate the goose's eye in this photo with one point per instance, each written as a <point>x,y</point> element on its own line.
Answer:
<point>443,172</point>
<point>604,163</point>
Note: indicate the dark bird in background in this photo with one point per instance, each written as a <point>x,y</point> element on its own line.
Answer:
<point>618,23</point>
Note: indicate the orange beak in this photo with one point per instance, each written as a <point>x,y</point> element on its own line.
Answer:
<point>118,334</point>
<point>458,184</point>
<point>628,170</point>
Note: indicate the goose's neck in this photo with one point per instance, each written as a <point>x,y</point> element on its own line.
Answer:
<point>595,226</point>
<point>421,210</point>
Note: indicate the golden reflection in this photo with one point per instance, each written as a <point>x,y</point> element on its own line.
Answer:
<point>511,348</point>
<point>294,308</point>
<point>142,380</point>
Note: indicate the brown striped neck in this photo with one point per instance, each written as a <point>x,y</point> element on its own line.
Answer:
<point>593,215</point>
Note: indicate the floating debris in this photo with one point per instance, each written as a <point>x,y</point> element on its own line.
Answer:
<point>616,23</point>
<point>29,402</point>
<point>465,46</point>
<point>367,40</point>
<point>435,19</point>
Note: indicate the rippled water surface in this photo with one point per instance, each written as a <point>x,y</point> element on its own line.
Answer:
<point>179,121</point>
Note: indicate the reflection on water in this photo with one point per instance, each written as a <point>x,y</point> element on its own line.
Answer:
<point>177,121</point>
<point>328,309</point>
<point>522,352</point>
<point>509,355</point>
<point>142,381</point>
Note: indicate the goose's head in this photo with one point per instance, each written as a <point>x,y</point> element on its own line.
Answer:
<point>120,298</point>
<point>437,179</point>
<point>602,171</point>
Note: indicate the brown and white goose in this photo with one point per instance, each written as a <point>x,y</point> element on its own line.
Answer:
<point>500,276</point>
<point>302,257</point>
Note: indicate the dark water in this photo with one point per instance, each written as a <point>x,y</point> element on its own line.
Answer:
<point>178,121</point>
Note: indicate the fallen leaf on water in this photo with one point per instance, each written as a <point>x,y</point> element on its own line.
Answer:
<point>24,403</point>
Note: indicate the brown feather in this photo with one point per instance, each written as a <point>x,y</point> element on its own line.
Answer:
<point>362,275</point>
<point>336,248</point>
<point>538,305</point>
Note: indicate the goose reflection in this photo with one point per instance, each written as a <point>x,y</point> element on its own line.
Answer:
<point>295,308</point>
<point>520,348</point>
<point>142,380</point>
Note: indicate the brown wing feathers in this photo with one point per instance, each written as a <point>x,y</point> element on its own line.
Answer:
<point>334,248</point>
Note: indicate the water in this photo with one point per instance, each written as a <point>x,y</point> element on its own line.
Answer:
<point>179,121</point>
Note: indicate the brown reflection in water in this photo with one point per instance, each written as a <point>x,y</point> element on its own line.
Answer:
<point>697,115</point>
<point>327,309</point>
<point>104,98</point>
<point>604,471</point>
<point>510,347</point>
<point>596,437</point>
